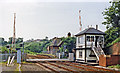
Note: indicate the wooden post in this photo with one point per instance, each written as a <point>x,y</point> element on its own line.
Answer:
<point>12,60</point>
<point>8,61</point>
<point>59,55</point>
<point>75,56</point>
<point>85,47</point>
<point>13,40</point>
<point>18,55</point>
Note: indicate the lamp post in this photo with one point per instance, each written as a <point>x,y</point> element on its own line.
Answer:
<point>8,47</point>
<point>18,55</point>
<point>22,45</point>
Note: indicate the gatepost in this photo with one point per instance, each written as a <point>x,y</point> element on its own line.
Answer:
<point>23,54</point>
<point>8,47</point>
<point>18,55</point>
<point>71,57</point>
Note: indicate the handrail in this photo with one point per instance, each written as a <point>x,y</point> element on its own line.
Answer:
<point>97,50</point>
<point>102,52</point>
<point>93,48</point>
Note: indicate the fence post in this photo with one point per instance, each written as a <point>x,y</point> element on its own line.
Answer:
<point>71,56</point>
<point>18,55</point>
<point>59,55</point>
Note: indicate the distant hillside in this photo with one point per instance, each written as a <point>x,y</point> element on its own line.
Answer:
<point>36,47</point>
<point>33,47</point>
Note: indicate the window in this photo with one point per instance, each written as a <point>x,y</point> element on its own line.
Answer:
<point>82,40</point>
<point>80,54</point>
<point>78,39</point>
<point>101,40</point>
<point>90,38</point>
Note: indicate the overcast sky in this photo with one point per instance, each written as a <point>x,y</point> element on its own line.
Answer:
<point>53,18</point>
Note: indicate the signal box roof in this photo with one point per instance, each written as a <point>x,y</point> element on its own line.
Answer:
<point>90,31</point>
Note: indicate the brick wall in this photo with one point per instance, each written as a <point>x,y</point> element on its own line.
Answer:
<point>115,49</point>
<point>107,60</point>
<point>102,60</point>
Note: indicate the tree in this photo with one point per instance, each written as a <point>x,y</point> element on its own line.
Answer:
<point>4,49</point>
<point>10,40</point>
<point>19,40</point>
<point>69,42</point>
<point>1,41</point>
<point>5,42</point>
<point>110,36</point>
<point>46,38</point>
<point>112,16</point>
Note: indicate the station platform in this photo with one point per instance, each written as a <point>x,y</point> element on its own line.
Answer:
<point>38,60</point>
<point>88,63</point>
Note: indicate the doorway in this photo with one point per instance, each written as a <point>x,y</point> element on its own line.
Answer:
<point>96,40</point>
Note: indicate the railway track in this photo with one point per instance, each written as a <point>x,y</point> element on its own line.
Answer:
<point>101,69</point>
<point>90,67</point>
<point>49,68</point>
<point>60,67</point>
<point>38,57</point>
<point>79,67</point>
<point>56,68</point>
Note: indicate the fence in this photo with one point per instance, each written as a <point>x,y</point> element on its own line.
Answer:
<point>4,57</point>
<point>58,55</point>
<point>107,60</point>
<point>62,55</point>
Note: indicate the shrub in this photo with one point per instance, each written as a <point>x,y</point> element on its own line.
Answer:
<point>3,49</point>
<point>117,40</point>
<point>117,66</point>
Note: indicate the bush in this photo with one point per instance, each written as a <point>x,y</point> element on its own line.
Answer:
<point>3,49</point>
<point>115,41</point>
<point>115,66</point>
<point>110,66</point>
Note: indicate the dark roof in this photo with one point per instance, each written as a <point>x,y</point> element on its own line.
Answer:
<point>56,42</point>
<point>90,31</point>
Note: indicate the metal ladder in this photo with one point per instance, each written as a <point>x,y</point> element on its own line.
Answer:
<point>98,51</point>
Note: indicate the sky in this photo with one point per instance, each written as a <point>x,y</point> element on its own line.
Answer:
<point>53,18</point>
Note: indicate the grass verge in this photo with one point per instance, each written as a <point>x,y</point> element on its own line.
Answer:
<point>115,66</point>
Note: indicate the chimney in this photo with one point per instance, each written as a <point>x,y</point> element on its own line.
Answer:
<point>97,27</point>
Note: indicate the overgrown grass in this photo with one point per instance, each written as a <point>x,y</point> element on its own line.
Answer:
<point>48,55</point>
<point>3,62</point>
<point>34,53</point>
<point>115,41</point>
<point>29,52</point>
<point>115,66</point>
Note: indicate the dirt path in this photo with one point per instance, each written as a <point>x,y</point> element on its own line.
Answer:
<point>10,68</point>
<point>32,67</point>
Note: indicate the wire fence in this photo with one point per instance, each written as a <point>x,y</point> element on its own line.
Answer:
<point>4,57</point>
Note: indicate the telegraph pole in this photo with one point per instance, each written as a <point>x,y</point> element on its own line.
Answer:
<point>13,40</point>
<point>80,20</point>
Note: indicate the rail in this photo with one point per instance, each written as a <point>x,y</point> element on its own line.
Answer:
<point>98,50</point>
